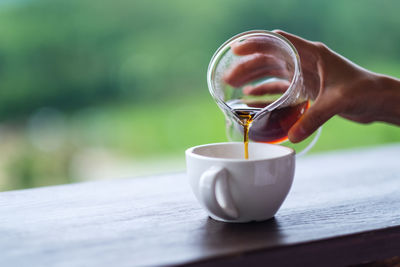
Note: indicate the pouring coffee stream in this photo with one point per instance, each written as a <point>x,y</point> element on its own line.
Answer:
<point>246,116</point>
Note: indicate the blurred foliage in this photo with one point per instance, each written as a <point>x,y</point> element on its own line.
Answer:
<point>130,75</point>
<point>78,52</point>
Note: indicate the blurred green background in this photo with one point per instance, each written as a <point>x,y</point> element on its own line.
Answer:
<point>109,89</point>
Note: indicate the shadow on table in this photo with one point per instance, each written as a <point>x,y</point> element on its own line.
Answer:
<point>238,236</point>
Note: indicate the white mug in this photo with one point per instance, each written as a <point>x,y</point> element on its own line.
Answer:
<point>234,189</point>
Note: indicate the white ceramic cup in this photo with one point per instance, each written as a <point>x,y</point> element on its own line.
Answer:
<point>233,189</point>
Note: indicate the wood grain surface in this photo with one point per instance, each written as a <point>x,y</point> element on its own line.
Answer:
<point>343,209</point>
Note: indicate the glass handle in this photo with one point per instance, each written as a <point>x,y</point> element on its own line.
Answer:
<point>311,144</point>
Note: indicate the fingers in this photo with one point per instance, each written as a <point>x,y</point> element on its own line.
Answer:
<point>308,50</point>
<point>268,88</point>
<point>253,45</point>
<point>321,111</point>
<point>253,67</point>
<point>267,44</point>
<point>309,56</point>
<point>258,60</point>
<point>277,87</point>
<point>256,103</point>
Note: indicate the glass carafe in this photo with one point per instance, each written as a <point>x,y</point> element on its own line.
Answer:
<point>257,75</point>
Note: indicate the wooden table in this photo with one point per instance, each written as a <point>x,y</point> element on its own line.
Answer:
<point>344,208</point>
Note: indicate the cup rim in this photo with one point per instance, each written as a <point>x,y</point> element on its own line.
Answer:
<point>189,152</point>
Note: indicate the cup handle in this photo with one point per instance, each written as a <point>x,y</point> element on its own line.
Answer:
<point>311,144</point>
<point>208,193</point>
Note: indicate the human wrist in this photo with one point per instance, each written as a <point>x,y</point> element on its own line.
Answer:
<point>389,88</point>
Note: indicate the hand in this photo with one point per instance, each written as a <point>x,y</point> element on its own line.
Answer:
<point>337,85</point>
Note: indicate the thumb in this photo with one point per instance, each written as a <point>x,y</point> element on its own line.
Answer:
<point>321,111</point>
